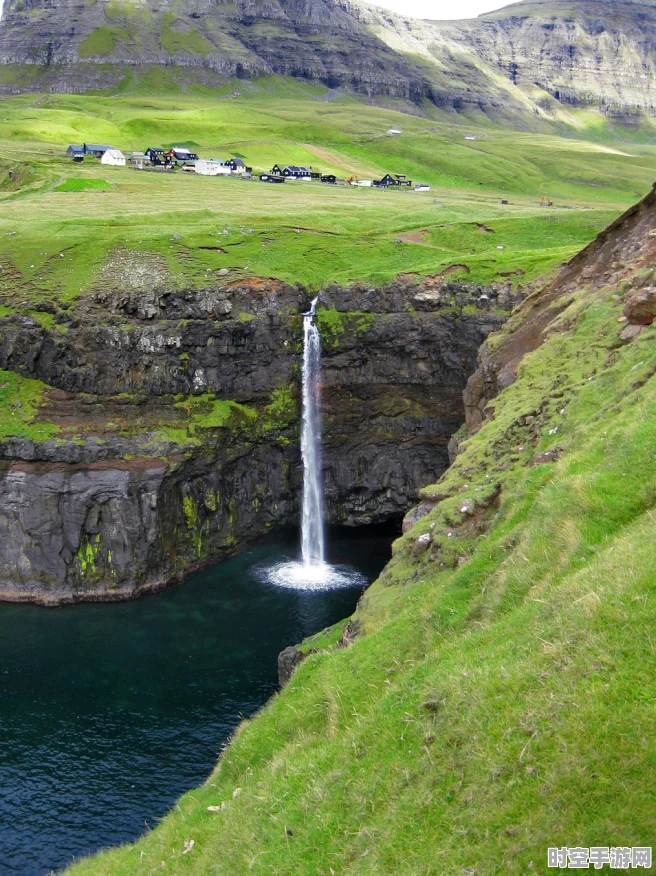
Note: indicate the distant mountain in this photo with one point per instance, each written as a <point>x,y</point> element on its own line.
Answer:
<point>530,57</point>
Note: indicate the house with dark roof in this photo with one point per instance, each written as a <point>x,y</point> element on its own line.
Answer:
<point>74,150</point>
<point>295,171</point>
<point>181,155</point>
<point>237,166</point>
<point>154,155</point>
<point>393,179</point>
<point>95,149</point>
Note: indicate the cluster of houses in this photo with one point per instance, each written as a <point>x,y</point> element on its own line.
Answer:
<point>179,156</point>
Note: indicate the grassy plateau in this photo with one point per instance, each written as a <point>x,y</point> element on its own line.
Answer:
<point>60,221</point>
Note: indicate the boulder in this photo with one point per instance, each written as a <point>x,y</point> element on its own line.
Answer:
<point>641,306</point>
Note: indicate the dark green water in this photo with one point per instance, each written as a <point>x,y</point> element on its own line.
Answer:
<point>108,713</point>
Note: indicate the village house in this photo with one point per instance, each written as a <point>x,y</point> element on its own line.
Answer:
<point>294,171</point>
<point>154,155</point>
<point>329,178</point>
<point>137,160</point>
<point>75,152</point>
<point>393,179</point>
<point>211,167</point>
<point>237,166</point>
<point>180,155</point>
<point>113,157</point>
<point>95,150</point>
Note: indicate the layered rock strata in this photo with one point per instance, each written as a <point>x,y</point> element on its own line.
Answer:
<point>133,491</point>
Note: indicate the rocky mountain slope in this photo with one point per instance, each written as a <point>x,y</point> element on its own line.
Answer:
<point>528,59</point>
<point>71,46</point>
<point>573,52</point>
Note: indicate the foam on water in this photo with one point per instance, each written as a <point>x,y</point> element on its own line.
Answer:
<point>301,576</point>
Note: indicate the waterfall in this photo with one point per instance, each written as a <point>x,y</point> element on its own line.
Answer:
<point>311,572</point>
<point>312,536</point>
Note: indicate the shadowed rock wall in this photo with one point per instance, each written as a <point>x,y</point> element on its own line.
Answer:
<point>121,502</point>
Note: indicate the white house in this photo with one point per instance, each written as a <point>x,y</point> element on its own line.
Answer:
<point>210,167</point>
<point>114,157</point>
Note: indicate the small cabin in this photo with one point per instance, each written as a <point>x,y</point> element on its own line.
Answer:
<point>137,160</point>
<point>394,132</point>
<point>114,158</point>
<point>272,178</point>
<point>154,155</point>
<point>329,178</point>
<point>95,149</point>
<point>73,150</point>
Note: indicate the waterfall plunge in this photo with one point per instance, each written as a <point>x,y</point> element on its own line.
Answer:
<point>312,538</point>
<point>312,573</point>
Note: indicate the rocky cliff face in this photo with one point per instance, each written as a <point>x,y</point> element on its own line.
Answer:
<point>531,57</point>
<point>589,54</point>
<point>178,422</point>
<point>71,46</point>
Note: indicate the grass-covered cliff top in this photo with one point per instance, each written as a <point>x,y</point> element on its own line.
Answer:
<point>498,697</point>
<point>61,222</point>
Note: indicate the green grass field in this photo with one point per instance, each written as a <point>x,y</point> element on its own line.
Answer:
<point>307,233</point>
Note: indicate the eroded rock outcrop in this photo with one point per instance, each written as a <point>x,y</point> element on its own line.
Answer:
<point>137,488</point>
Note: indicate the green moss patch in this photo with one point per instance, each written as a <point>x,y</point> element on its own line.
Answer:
<point>101,41</point>
<point>178,36</point>
<point>20,399</point>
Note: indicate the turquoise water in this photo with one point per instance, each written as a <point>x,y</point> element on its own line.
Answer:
<point>108,713</point>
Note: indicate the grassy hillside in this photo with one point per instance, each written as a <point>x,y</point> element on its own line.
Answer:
<point>56,232</point>
<point>498,697</point>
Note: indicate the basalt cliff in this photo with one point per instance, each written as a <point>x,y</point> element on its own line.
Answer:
<point>176,418</point>
<point>528,60</point>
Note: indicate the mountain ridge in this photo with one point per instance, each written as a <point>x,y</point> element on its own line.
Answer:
<point>531,58</point>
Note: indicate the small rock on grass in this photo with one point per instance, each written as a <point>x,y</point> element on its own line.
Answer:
<point>422,544</point>
<point>631,332</point>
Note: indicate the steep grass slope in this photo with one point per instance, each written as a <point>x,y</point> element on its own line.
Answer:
<point>494,694</point>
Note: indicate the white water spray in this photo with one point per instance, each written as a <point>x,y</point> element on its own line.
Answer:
<point>312,537</point>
